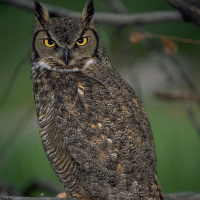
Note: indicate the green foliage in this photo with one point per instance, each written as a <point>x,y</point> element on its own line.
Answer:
<point>177,147</point>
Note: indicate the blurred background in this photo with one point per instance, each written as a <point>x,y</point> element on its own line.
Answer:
<point>165,74</point>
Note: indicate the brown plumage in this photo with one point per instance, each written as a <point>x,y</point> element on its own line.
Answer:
<point>93,127</point>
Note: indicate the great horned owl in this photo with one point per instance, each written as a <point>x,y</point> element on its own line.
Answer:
<point>93,127</point>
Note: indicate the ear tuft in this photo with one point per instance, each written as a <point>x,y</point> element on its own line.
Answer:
<point>88,12</point>
<point>41,13</point>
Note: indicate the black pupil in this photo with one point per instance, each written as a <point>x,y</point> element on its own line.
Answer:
<point>51,42</point>
<point>80,40</point>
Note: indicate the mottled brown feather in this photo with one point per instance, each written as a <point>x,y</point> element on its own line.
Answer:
<point>93,127</point>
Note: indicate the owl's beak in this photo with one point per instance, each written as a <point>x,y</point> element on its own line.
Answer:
<point>66,55</point>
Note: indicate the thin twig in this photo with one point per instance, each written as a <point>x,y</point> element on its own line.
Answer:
<point>178,39</point>
<point>143,36</point>
<point>178,95</point>
<point>107,18</point>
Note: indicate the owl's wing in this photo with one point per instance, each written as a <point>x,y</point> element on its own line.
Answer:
<point>108,135</point>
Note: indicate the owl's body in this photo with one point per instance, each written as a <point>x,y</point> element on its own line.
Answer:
<point>93,127</point>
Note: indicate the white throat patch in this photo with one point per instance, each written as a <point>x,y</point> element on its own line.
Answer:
<point>43,65</point>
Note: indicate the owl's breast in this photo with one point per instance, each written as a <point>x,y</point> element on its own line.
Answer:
<point>106,131</point>
<point>96,126</point>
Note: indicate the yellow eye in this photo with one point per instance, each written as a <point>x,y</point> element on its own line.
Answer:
<point>49,43</point>
<point>82,41</point>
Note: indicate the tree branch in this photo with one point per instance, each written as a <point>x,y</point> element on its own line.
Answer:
<point>29,198</point>
<point>107,18</point>
<point>182,196</point>
<point>190,9</point>
<point>179,196</point>
<point>116,6</point>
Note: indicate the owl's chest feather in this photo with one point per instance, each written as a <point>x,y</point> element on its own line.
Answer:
<point>80,103</point>
<point>99,123</point>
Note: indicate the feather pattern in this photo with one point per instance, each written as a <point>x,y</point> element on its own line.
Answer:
<point>93,127</point>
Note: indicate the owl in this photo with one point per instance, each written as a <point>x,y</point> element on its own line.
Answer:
<point>93,127</point>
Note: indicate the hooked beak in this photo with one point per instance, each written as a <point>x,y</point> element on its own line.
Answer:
<point>66,55</point>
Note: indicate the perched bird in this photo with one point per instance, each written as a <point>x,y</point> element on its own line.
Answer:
<point>93,127</point>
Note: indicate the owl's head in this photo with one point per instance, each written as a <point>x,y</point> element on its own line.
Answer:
<point>61,44</point>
